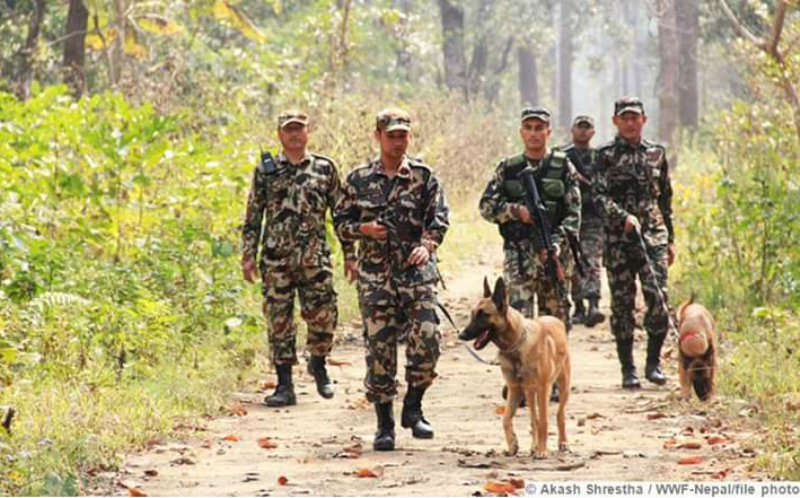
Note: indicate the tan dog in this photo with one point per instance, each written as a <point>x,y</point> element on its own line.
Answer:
<point>533,355</point>
<point>696,358</point>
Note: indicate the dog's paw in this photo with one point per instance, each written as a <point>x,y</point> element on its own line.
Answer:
<point>513,449</point>
<point>539,454</point>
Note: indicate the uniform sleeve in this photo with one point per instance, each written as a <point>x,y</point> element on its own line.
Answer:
<point>665,199</point>
<point>602,197</point>
<point>571,224</point>
<point>493,205</point>
<point>437,215</point>
<point>254,213</point>
<point>346,214</point>
<point>335,195</point>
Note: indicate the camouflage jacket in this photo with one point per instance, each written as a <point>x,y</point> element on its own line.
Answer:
<point>634,180</point>
<point>564,209</point>
<point>411,205</point>
<point>585,161</point>
<point>294,201</point>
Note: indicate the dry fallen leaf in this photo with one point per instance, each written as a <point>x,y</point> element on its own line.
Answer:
<point>136,492</point>
<point>206,444</point>
<point>670,443</point>
<point>268,385</point>
<point>370,473</point>
<point>714,440</point>
<point>517,483</point>
<point>500,410</point>
<point>151,472</point>
<point>238,409</point>
<point>499,487</point>
<point>266,443</point>
<point>232,438</point>
<point>593,416</point>
<point>690,445</point>
<point>283,481</point>
<point>656,415</point>
<point>335,363</point>
<point>722,474</point>
<point>692,460</point>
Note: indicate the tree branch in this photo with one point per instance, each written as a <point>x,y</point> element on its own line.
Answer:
<point>743,31</point>
<point>501,67</point>
<point>777,27</point>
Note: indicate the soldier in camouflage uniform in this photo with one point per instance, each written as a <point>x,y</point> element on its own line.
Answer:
<point>394,206</point>
<point>503,203</point>
<point>634,194</point>
<point>584,157</point>
<point>292,194</point>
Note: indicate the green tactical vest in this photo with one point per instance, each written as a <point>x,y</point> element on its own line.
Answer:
<point>550,183</point>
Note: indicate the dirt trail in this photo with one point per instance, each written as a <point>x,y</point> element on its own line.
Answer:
<point>614,435</point>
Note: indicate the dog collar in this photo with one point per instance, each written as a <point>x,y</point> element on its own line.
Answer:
<point>522,337</point>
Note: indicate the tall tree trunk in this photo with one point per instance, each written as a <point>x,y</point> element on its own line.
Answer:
<point>668,89</point>
<point>118,45</point>
<point>75,46</point>
<point>528,83</point>
<point>455,60</point>
<point>30,49</point>
<point>480,52</point>
<point>688,23</point>
<point>403,57</point>
<point>565,55</point>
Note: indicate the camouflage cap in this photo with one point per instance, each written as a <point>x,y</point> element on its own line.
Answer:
<point>582,119</point>
<point>628,104</point>
<point>539,113</point>
<point>292,116</point>
<point>393,119</point>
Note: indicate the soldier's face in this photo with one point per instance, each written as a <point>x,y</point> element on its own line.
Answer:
<point>630,124</point>
<point>393,143</point>
<point>293,136</point>
<point>582,134</point>
<point>534,134</point>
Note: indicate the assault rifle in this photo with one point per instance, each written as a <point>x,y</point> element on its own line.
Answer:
<point>537,209</point>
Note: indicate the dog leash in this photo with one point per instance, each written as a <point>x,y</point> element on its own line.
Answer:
<point>673,330</point>
<point>466,346</point>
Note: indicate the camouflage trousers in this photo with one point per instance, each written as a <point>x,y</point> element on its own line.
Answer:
<point>624,262</point>
<point>314,287</point>
<point>410,314</point>
<point>592,235</point>
<point>527,279</point>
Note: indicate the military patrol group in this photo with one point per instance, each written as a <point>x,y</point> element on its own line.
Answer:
<point>609,206</point>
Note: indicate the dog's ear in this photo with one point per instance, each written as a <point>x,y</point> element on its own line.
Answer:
<point>500,296</point>
<point>487,291</point>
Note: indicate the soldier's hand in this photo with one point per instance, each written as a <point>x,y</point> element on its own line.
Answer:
<point>373,229</point>
<point>543,256</point>
<point>249,270</point>
<point>525,215</point>
<point>670,254</point>
<point>419,256</point>
<point>351,270</point>
<point>632,224</point>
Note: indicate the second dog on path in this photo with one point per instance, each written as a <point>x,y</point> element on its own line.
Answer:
<point>533,356</point>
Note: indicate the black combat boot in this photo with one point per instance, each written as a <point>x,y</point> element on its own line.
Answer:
<point>652,369</point>
<point>412,417</point>
<point>316,367</point>
<point>554,394</point>
<point>384,438</point>
<point>579,316</point>
<point>284,392</point>
<point>625,352</point>
<point>594,315</point>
